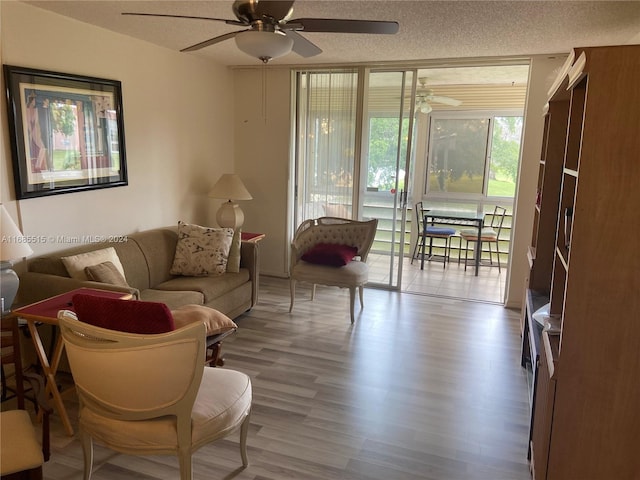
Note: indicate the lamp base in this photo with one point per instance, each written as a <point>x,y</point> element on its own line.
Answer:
<point>9,283</point>
<point>230,215</point>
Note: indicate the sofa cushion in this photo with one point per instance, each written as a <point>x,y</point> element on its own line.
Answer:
<point>158,246</point>
<point>105,272</point>
<point>331,254</point>
<point>130,316</point>
<point>201,250</point>
<point>211,287</point>
<point>172,299</point>
<point>215,321</point>
<point>75,264</point>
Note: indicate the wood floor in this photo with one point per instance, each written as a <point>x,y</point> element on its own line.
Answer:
<point>418,388</point>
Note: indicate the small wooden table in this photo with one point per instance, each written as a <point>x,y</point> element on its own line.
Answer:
<point>46,311</point>
<point>251,237</point>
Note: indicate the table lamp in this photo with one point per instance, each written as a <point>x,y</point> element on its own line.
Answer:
<point>230,187</point>
<point>12,247</point>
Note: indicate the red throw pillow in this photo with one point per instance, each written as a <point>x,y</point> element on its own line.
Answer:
<point>331,254</point>
<point>130,316</point>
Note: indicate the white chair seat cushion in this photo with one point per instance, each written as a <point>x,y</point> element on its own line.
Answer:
<point>352,274</point>
<point>487,234</point>
<point>19,445</point>
<point>222,402</point>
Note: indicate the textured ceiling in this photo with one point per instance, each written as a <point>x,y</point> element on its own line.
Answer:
<point>428,29</point>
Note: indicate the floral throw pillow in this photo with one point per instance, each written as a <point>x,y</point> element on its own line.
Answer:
<point>201,251</point>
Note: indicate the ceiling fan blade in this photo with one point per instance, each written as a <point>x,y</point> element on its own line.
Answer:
<point>332,25</point>
<point>445,100</point>
<point>277,9</point>
<point>228,22</point>
<point>212,41</point>
<point>302,46</point>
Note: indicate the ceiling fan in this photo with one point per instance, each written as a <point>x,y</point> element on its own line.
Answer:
<point>424,97</point>
<point>271,33</point>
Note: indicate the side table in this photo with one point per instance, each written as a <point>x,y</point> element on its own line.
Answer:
<point>46,311</point>
<point>251,237</point>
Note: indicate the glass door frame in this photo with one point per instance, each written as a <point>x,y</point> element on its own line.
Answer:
<point>403,163</point>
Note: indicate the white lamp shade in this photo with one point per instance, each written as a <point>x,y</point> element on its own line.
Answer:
<point>230,187</point>
<point>14,245</point>
<point>264,45</point>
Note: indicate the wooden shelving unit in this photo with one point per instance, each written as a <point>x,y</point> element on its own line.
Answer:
<point>585,261</point>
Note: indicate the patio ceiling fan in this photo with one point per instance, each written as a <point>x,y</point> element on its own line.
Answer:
<point>425,96</point>
<point>271,33</point>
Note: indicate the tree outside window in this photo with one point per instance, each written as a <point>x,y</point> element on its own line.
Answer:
<point>458,155</point>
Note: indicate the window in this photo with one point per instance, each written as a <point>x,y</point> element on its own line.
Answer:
<point>473,156</point>
<point>383,152</point>
<point>505,155</point>
<point>458,153</point>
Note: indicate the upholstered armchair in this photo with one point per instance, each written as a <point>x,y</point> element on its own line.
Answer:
<point>148,394</point>
<point>332,251</point>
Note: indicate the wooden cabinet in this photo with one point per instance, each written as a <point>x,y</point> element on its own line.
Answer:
<point>585,258</point>
<point>546,391</point>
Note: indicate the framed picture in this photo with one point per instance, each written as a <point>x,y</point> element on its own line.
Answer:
<point>67,132</point>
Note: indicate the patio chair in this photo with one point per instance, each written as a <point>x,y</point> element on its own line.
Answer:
<point>431,232</point>
<point>488,235</point>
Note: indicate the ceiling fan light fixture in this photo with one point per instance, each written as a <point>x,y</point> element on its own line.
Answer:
<point>423,106</point>
<point>264,45</point>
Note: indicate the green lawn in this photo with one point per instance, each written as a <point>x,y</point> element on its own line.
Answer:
<point>497,188</point>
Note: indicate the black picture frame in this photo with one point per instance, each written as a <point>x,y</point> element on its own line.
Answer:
<point>67,132</point>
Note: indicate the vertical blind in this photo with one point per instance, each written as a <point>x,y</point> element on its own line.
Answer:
<point>326,143</point>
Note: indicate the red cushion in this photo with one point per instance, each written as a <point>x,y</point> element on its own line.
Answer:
<point>130,316</point>
<point>331,254</point>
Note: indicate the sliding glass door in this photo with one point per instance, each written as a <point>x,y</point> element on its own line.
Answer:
<point>387,133</point>
<point>353,139</point>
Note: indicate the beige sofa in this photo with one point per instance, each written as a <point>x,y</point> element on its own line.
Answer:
<point>147,258</point>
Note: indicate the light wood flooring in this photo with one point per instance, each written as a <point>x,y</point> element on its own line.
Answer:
<point>418,388</point>
<point>452,282</point>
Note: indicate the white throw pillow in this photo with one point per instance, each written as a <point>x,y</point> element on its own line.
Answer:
<point>201,250</point>
<point>75,264</point>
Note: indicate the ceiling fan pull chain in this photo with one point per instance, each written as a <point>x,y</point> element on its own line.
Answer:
<point>264,93</point>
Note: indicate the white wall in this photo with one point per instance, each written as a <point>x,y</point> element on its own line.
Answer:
<point>262,145</point>
<point>178,117</point>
